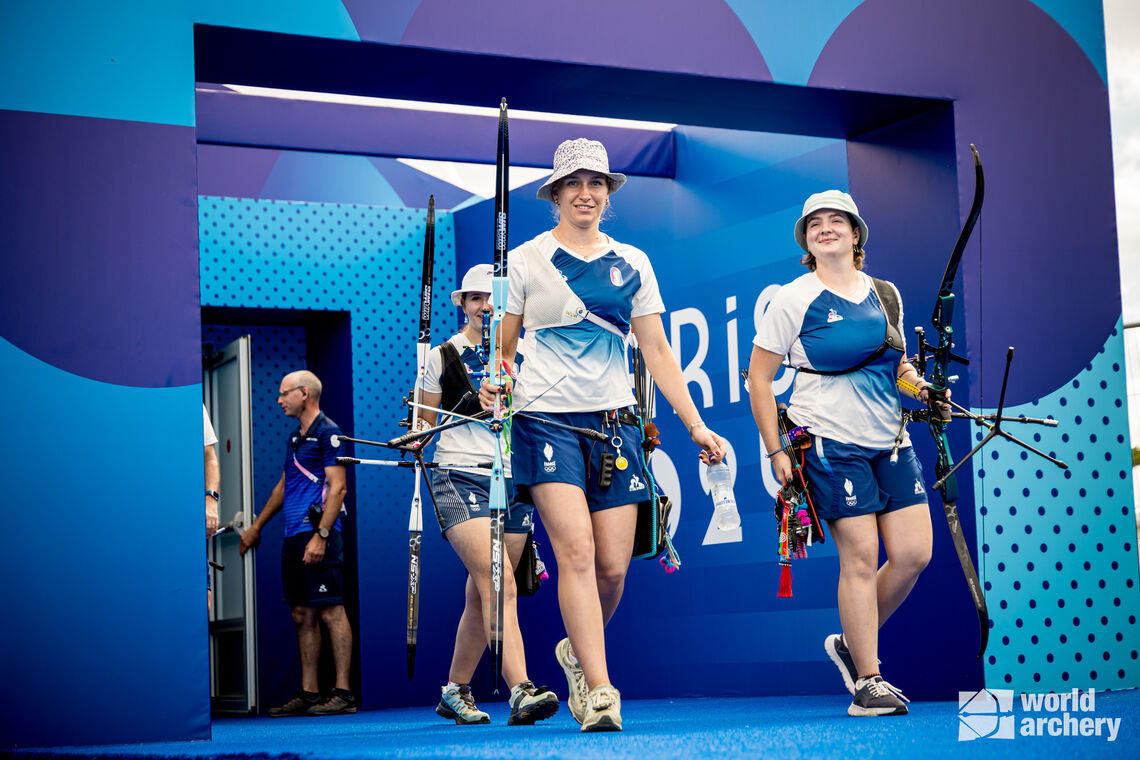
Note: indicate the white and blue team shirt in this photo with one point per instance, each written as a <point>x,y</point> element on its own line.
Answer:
<point>469,444</point>
<point>818,328</point>
<point>617,286</point>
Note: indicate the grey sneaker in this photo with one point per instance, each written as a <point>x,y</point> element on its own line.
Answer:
<point>838,653</point>
<point>456,703</point>
<point>529,704</point>
<point>603,709</point>
<point>877,697</point>
<point>575,679</point>
<point>340,702</point>
<point>298,705</point>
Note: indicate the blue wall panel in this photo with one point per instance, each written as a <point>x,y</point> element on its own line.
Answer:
<point>108,582</point>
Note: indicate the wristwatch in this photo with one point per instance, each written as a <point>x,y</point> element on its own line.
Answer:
<point>323,532</point>
<point>216,496</point>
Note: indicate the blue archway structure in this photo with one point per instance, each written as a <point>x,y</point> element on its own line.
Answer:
<point>100,315</point>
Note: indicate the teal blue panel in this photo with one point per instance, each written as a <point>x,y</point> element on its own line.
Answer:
<point>313,18</point>
<point>791,35</point>
<point>309,17</point>
<point>1058,553</point>
<point>328,178</point>
<point>119,59</point>
<point>110,562</point>
<point>1084,21</point>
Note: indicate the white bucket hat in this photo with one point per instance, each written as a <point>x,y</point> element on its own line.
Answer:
<point>830,199</point>
<point>477,280</point>
<point>582,153</point>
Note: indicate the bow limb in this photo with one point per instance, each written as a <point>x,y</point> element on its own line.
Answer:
<point>497,495</point>
<point>939,416</point>
<point>415,516</point>
<point>949,494</point>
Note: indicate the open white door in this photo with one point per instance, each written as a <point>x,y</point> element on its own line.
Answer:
<point>233,629</point>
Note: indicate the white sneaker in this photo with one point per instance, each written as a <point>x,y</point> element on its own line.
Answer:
<point>603,709</point>
<point>575,679</point>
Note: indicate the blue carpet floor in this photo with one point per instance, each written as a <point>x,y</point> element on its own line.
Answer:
<point>788,728</point>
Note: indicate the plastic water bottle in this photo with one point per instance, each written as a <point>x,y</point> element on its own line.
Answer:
<point>724,502</point>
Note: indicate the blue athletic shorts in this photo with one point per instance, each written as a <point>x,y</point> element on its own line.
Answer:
<point>319,585</point>
<point>546,454</point>
<point>462,495</point>
<point>848,480</point>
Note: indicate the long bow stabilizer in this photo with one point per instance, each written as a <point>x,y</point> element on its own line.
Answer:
<point>939,412</point>
<point>498,494</point>
<point>415,518</point>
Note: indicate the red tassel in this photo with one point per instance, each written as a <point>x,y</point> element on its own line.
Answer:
<point>785,579</point>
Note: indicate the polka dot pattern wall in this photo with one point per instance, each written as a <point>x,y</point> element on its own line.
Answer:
<point>364,260</point>
<point>1058,550</point>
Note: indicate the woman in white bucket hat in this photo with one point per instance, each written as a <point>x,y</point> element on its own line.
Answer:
<point>830,324</point>
<point>580,294</point>
<point>462,503</point>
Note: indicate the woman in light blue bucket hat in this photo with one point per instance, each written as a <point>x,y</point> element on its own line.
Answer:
<point>843,332</point>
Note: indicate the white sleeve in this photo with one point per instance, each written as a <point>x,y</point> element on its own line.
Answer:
<point>647,299</point>
<point>433,368</point>
<point>208,434</point>
<point>516,281</point>
<point>779,327</point>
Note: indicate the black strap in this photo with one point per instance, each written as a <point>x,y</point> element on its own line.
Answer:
<point>892,339</point>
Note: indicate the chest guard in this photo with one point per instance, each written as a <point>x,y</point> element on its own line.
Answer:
<point>459,394</point>
<point>550,302</point>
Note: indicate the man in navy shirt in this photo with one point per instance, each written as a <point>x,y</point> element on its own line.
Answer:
<point>310,492</point>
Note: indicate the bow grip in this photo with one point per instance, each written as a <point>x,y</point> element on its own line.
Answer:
<point>936,400</point>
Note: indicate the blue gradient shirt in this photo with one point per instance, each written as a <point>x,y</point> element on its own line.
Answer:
<point>818,328</point>
<point>583,367</point>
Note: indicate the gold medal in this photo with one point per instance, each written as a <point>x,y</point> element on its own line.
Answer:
<point>621,463</point>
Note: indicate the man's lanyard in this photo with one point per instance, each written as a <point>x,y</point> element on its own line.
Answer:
<point>304,471</point>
